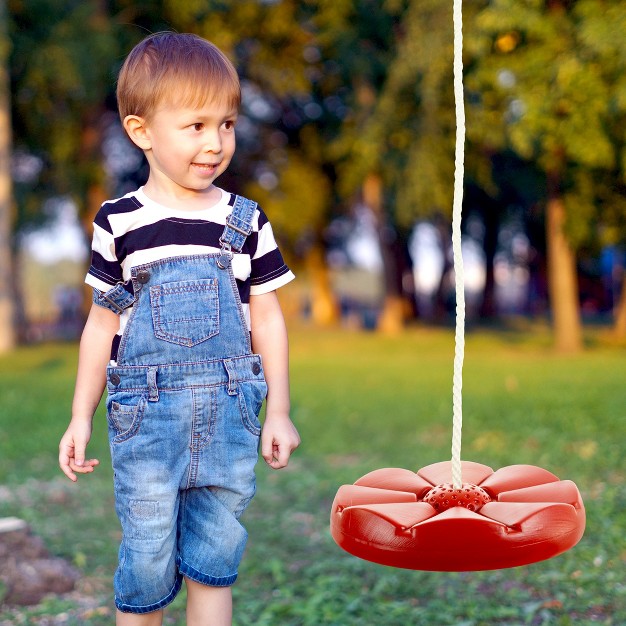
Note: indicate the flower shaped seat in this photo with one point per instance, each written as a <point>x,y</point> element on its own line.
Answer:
<point>517,515</point>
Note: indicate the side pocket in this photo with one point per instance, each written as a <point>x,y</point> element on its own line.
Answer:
<point>124,419</point>
<point>251,395</point>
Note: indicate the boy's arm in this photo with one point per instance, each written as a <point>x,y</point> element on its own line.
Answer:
<point>279,437</point>
<point>94,354</point>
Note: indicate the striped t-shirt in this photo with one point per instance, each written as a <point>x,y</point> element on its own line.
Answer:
<point>134,230</point>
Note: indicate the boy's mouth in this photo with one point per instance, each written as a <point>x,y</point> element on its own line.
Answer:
<point>207,168</point>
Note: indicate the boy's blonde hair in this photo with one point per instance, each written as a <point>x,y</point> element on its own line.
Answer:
<point>176,69</point>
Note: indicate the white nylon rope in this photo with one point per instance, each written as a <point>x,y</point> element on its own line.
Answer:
<point>457,203</point>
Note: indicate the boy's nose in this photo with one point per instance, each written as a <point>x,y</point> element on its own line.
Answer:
<point>213,143</point>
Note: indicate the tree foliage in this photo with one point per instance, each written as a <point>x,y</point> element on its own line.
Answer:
<point>404,124</point>
<point>266,39</point>
<point>548,82</point>
<point>62,64</point>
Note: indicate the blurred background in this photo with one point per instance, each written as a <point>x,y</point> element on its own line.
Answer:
<point>346,138</point>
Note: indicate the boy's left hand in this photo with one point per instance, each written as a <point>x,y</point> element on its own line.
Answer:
<point>72,447</point>
<point>279,438</point>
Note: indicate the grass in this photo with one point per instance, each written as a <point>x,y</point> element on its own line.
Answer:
<point>361,402</point>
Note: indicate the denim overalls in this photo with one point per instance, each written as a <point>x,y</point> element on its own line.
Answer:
<point>183,406</point>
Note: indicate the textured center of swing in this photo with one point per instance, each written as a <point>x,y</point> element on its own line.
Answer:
<point>445,496</point>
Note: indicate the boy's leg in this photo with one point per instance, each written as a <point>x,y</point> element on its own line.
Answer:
<point>137,619</point>
<point>208,606</point>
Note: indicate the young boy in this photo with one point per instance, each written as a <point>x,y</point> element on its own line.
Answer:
<point>188,337</point>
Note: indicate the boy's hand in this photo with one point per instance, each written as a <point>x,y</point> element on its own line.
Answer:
<point>279,438</point>
<point>72,450</point>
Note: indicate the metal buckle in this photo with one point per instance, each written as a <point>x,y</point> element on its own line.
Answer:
<point>225,257</point>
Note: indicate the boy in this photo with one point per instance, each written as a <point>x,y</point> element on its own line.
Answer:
<point>187,335</point>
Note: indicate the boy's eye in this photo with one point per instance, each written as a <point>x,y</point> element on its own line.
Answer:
<point>229,125</point>
<point>198,126</point>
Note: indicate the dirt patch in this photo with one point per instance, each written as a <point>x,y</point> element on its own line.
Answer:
<point>27,570</point>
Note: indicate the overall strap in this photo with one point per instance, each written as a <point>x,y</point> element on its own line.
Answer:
<point>116,299</point>
<point>238,227</point>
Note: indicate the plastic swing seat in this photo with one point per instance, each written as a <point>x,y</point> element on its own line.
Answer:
<point>517,515</point>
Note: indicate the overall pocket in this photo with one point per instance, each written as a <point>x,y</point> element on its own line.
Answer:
<point>124,418</point>
<point>186,312</point>
<point>251,395</point>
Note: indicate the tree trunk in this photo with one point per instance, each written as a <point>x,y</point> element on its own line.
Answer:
<point>324,307</point>
<point>490,212</point>
<point>620,313</point>
<point>562,276</point>
<point>393,314</point>
<point>94,192</point>
<point>7,305</point>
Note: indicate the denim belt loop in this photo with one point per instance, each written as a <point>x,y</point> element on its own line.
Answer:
<point>232,378</point>
<point>153,395</point>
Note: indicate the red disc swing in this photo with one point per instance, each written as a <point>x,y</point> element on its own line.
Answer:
<point>458,515</point>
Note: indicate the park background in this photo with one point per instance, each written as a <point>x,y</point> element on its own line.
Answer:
<point>346,138</point>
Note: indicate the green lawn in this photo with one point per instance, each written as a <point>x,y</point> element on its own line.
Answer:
<point>361,402</point>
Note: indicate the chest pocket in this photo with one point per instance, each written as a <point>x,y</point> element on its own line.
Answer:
<point>186,312</point>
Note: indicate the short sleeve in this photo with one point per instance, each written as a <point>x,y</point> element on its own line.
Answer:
<point>268,268</point>
<point>105,270</point>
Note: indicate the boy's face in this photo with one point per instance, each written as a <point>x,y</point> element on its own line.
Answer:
<point>188,148</point>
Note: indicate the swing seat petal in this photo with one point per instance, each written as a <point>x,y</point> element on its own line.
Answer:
<point>516,477</point>
<point>439,473</point>
<point>560,491</point>
<point>396,478</point>
<point>402,517</point>
<point>352,495</point>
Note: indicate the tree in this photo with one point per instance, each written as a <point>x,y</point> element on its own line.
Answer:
<point>612,213</point>
<point>63,67</point>
<point>544,83</point>
<point>7,312</point>
<point>280,154</point>
<point>398,145</point>
<point>373,46</point>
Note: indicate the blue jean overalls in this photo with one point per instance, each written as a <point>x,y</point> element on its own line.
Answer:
<point>183,412</point>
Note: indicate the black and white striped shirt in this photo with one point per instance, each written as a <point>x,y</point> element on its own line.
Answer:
<point>134,230</point>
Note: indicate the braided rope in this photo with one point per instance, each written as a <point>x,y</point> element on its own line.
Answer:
<point>459,339</point>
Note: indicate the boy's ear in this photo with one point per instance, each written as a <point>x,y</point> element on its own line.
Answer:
<point>135,127</point>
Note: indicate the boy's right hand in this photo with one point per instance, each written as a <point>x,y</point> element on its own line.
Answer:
<point>72,450</point>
